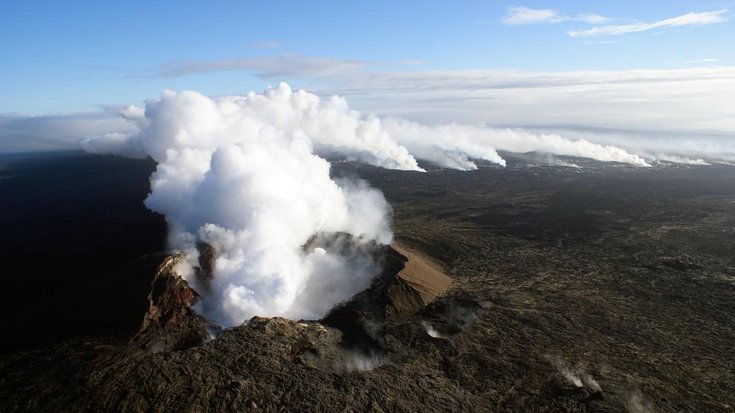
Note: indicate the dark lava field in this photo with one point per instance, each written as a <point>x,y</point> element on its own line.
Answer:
<point>593,287</point>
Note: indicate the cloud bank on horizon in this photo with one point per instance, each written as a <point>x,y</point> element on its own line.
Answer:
<point>674,114</point>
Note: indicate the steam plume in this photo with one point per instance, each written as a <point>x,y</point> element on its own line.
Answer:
<point>241,175</point>
<point>244,174</point>
<point>454,145</point>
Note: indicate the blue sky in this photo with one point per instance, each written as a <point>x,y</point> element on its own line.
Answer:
<point>624,72</point>
<point>76,56</point>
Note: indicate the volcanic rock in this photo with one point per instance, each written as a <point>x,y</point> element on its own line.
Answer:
<point>408,283</point>
<point>207,255</point>
<point>307,343</point>
<point>170,323</point>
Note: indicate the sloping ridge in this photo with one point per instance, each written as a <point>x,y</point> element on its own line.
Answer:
<point>422,275</point>
<point>408,283</point>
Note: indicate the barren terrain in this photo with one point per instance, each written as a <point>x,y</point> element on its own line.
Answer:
<point>601,287</point>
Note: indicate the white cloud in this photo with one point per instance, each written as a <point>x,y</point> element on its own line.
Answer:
<point>412,62</point>
<point>524,15</point>
<point>242,174</point>
<point>590,18</point>
<point>594,42</point>
<point>671,99</point>
<point>270,67</point>
<point>30,133</point>
<point>689,19</point>
<point>266,44</point>
<point>694,61</point>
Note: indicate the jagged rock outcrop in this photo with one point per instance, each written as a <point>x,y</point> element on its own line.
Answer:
<point>207,255</point>
<point>170,323</point>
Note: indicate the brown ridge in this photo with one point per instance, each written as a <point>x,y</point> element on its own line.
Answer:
<point>423,275</point>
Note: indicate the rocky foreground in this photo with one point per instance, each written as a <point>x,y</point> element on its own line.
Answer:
<point>598,288</point>
<point>360,354</point>
<point>408,343</point>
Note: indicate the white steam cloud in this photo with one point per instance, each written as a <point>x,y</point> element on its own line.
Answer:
<point>240,174</point>
<point>244,174</point>
<point>454,146</point>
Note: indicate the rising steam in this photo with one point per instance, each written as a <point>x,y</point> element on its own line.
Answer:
<point>245,175</point>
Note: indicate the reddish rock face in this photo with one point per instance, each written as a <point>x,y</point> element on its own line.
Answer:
<point>170,323</point>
